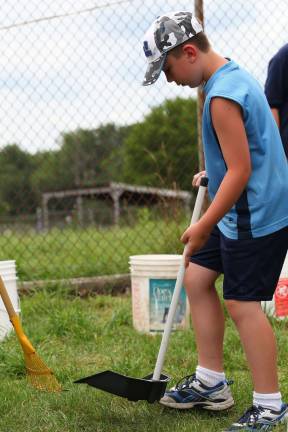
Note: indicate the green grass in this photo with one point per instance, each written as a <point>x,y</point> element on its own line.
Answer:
<point>70,253</point>
<point>79,337</point>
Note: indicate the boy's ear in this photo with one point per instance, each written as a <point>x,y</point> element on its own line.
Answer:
<point>190,51</point>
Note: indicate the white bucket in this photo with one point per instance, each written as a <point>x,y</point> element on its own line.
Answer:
<point>153,279</point>
<point>278,306</point>
<point>8,274</point>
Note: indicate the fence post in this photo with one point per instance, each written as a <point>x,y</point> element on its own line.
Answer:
<point>115,194</point>
<point>79,207</point>
<point>39,219</point>
<point>45,212</point>
<point>199,13</point>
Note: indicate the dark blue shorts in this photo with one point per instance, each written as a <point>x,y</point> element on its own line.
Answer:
<point>251,267</point>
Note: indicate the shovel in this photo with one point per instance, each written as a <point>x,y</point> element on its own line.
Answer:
<point>152,387</point>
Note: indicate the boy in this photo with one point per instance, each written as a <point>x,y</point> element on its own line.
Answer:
<point>244,232</point>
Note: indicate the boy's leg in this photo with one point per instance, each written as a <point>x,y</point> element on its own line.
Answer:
<point>251,271</point>
<point>258,341</point>
<point>207,388</point>
<point>207,315</point>
<point>252,268</point>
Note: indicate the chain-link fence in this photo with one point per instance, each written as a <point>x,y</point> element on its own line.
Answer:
<point>93,166</point>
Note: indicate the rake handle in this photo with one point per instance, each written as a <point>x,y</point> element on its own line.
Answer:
<point>26,344</point>
<point>6,300</point>
<point>40,376</point>
<point>178,286</point>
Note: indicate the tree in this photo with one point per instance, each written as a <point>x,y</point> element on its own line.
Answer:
<point>16,168</point>
<point>161,151</point>
<point>91,156</point>
<point>85,158</point>
<point>49,174</point>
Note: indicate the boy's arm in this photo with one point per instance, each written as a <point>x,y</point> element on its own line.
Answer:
<point>276,116</point>
<point>276,82</point>
<point>229,127</point>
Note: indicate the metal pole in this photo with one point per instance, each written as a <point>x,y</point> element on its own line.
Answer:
<point>116,204</point>
<point>199,13</point>
<point>79,206</point>
<point>45,212</point>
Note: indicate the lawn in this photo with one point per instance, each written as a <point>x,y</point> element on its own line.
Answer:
<point>72,252</point>
<point>78,337</point>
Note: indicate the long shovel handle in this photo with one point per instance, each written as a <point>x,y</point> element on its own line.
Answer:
<point>178,285</point>
<point>6,300</point>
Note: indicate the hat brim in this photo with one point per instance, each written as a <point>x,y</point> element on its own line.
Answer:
<point>153,71</point>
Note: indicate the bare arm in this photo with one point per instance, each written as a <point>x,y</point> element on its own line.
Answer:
<point>229,127</point>
<point>230,130</point>
<point>276,116</point>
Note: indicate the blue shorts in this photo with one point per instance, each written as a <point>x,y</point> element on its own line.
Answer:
<point>251,267</point>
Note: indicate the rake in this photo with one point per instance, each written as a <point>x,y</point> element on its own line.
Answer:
<point>38,374</point>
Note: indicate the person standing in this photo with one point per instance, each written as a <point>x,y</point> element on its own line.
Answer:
<point>242,231</point>
<point>276,90</point>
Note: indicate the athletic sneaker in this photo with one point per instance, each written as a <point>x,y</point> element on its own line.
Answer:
<point>258,418</point>
<point>191,392</point>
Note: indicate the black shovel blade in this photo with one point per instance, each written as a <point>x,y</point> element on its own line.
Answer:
<point>134,389</point>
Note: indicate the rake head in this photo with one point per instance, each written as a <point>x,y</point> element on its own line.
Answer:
<point>39,375</point>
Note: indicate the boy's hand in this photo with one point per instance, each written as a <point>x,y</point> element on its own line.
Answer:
<point>194,238</point>
<point>197,178</point>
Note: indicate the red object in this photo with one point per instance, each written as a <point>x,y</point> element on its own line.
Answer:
<point>281,298</point>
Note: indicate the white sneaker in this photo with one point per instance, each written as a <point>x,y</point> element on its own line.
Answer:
<point>191,392</point>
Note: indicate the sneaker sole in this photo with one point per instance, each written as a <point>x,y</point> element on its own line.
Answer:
<point>205,405</point>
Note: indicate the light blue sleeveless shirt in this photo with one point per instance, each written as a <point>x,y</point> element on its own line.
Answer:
<point>263,206</point>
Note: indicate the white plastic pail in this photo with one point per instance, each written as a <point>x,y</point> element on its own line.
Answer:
<point>8,274</point>
<point>153,279</point>
<point>278,306</point>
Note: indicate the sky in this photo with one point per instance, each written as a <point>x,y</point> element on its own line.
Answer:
<point>86,69</point>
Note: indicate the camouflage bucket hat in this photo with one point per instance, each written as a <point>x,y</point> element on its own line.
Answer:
<point>165,33</point>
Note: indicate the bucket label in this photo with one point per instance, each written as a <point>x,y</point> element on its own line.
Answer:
<point>160,296</point>
<point>281,298</point>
